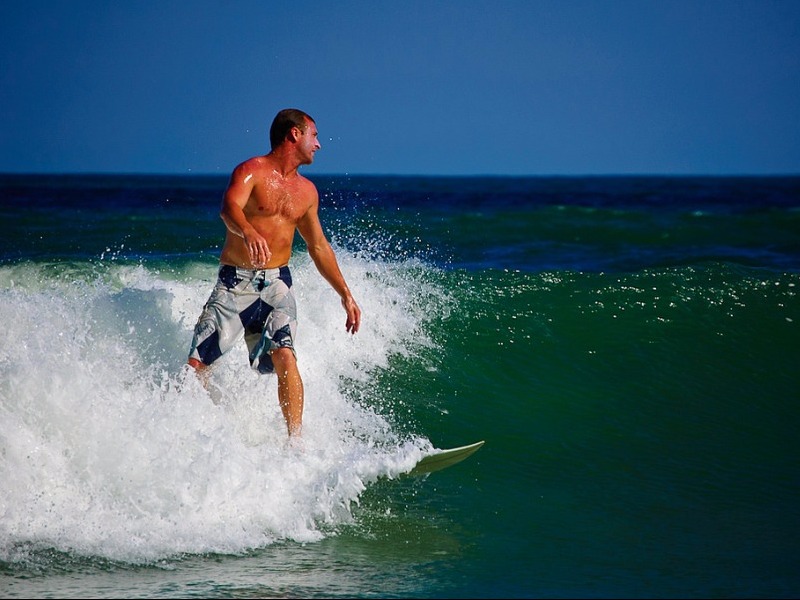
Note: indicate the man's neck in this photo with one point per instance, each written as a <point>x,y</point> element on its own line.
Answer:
<point>283,163</point>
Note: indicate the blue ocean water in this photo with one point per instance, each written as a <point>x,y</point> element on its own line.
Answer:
<point>627,347</point>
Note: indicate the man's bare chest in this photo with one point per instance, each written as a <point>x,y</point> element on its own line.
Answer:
<point>281,204</point>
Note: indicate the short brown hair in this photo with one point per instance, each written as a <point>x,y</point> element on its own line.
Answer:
<point>283,122</point>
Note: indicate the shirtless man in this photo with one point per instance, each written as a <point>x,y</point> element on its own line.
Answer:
<point>266,201</point>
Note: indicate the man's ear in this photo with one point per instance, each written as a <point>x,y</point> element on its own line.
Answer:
<point>295,133</point>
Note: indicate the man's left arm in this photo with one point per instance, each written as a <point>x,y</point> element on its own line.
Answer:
<point>324,259</point>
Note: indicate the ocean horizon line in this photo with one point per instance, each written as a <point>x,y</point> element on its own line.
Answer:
<point>620,175</point>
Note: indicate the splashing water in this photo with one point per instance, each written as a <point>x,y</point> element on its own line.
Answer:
<point>111,447</point>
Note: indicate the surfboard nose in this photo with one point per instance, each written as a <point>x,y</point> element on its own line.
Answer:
<point>442,459</point>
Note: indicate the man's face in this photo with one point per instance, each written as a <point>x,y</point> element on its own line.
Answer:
<point>308,143</point>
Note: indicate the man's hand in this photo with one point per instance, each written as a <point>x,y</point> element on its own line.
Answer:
<point>353,314</point>
<point>258,248</point>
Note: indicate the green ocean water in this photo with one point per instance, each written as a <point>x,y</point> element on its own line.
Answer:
<point>645,429</point>
<point>627,349</point>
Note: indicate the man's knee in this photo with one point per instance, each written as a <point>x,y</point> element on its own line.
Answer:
<point>283,358</point>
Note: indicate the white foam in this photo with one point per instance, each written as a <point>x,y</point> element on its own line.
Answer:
<point>109,446</point>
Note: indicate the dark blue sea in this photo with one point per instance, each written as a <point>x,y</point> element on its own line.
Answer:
<point>627,347</point>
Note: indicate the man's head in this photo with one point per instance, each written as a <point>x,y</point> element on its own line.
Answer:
<point>283,123</point>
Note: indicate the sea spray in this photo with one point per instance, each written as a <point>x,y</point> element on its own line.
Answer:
<point>111,446</point>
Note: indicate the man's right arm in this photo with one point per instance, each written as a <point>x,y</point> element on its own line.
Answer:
<point>232,214</point>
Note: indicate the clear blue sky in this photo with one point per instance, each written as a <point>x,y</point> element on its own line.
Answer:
<point>497,87</point>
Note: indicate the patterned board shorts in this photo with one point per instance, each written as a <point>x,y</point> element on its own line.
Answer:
<point>257,304</point>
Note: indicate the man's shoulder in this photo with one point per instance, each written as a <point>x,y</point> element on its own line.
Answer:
<point>309,189</point>
<point>306,181</point>
<point>255,163</point>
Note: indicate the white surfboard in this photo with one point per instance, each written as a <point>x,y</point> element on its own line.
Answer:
<point>441,459</point>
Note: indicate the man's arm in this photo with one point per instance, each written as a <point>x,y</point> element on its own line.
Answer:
<point>325,260</point>
<point>232,214</point>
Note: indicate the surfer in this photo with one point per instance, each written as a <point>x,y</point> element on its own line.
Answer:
<point>266,201</point>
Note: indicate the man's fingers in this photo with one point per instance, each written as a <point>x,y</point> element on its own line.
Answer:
<point>259,253</point>
<point>353,317</point>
